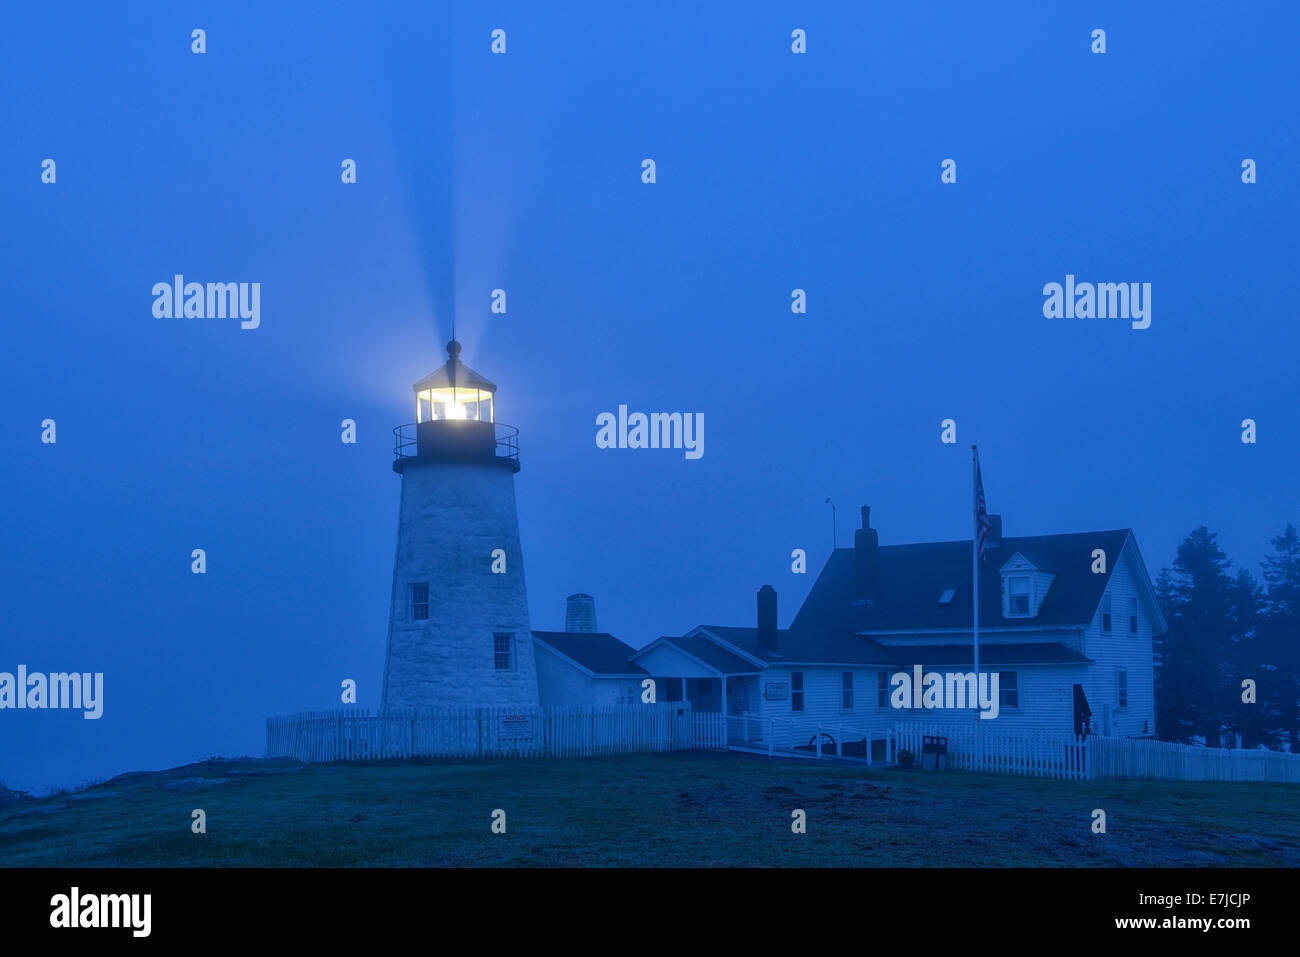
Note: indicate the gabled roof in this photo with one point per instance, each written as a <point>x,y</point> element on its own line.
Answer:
<point>1040,562</point>
<point>598,653</point>
<point>707,652</point>
<point>744,640</point>
<point>911,578</point>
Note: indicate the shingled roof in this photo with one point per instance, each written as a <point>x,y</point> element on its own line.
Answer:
<point>710,653</point>
<point>846,648</point>
<point>911,578</point>
<point>599,652</point>
<point>991,653</point>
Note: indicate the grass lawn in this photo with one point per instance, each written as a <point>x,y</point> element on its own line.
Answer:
<point>675,809</point>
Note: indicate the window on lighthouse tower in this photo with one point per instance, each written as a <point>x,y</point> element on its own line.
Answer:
<point>503,652</point>
<point>420,602</point>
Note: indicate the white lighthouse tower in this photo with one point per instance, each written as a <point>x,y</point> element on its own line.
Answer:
<point>458,630</point>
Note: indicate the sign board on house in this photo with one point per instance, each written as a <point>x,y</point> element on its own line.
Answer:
<point>515,726</point>
<point>776,690</point>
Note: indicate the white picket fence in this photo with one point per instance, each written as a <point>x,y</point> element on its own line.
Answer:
<point>1096,758</point>
<point>710,730</point>
<point>1000,752</point>
<point>1167,761</point>
<point>356,735</point>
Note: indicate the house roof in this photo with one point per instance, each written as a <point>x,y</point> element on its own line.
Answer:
<point>911,578</point>
<point>1018,653</point>
<point>1041,562</point>
<point>848,648</point>
<point>598,652</point>
<point>746,639</point>
<point>706,651</point>
<point>805,646</point>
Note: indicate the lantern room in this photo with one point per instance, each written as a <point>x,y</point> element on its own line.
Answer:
<point>454,392</point>
<point>455,410</point>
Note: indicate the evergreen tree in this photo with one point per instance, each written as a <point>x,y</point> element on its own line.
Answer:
<point>1280,630</point>
<point>1192,677</point>
<point>1248,657</point>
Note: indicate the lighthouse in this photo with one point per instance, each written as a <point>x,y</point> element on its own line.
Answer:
<point>458,629</point>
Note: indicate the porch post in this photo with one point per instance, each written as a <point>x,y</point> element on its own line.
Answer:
<point>683,680</point>
<point>726,729</point>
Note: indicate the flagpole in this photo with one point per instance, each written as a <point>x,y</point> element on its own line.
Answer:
<point>975,594</point>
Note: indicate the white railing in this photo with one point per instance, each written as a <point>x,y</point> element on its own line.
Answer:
<point>745,728</point>
<point>786,733</point>
<point>353,735</point>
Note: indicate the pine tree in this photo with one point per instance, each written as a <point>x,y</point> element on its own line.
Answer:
<point>1192,675</point>
<point>1280,630</point>
<point>1247,658</point>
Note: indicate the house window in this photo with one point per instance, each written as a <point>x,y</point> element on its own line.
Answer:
<point>419,603</point>
<point>1008,689</point>
<point>947,595</point>
<point>846,691</point>
<point>1121,678</point>
<point>882,689</point>
<point>503,652</point>
<point>1105,614</point>
<point>796,691</point>
<point>1132,616</point>
<point>1018,596</point>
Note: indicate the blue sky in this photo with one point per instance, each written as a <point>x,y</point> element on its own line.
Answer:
<point>522,171</point>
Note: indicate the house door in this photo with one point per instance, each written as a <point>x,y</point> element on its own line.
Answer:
<point>704,694</point>
<point>737,695</point>
<point>1082,713</point>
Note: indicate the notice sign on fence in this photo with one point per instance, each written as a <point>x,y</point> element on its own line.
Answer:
<point>517,726</point>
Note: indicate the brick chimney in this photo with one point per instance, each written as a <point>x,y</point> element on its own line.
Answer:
<point>866,556</point>
<point>580,615</point>
<point>767,617</point>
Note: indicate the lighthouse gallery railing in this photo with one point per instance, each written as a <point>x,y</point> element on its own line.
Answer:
<point>405,442</point>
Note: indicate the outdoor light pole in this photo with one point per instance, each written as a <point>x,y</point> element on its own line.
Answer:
<point>834,541</point>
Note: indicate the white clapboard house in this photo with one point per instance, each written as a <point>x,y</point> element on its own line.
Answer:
<point>1071,643</point>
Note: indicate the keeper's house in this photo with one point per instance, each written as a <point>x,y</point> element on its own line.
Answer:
<point>1067,630</point>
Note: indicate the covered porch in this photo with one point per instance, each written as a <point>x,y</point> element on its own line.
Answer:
<point>709,678</point>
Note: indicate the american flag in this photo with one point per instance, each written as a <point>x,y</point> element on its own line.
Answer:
<point>981,512</point>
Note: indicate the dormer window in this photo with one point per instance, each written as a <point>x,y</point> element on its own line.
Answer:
<point>1018,596</point>
<point>1026,581</point>
<point>947,595</point>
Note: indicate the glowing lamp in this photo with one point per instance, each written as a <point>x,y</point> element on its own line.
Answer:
<point>454,392</point>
